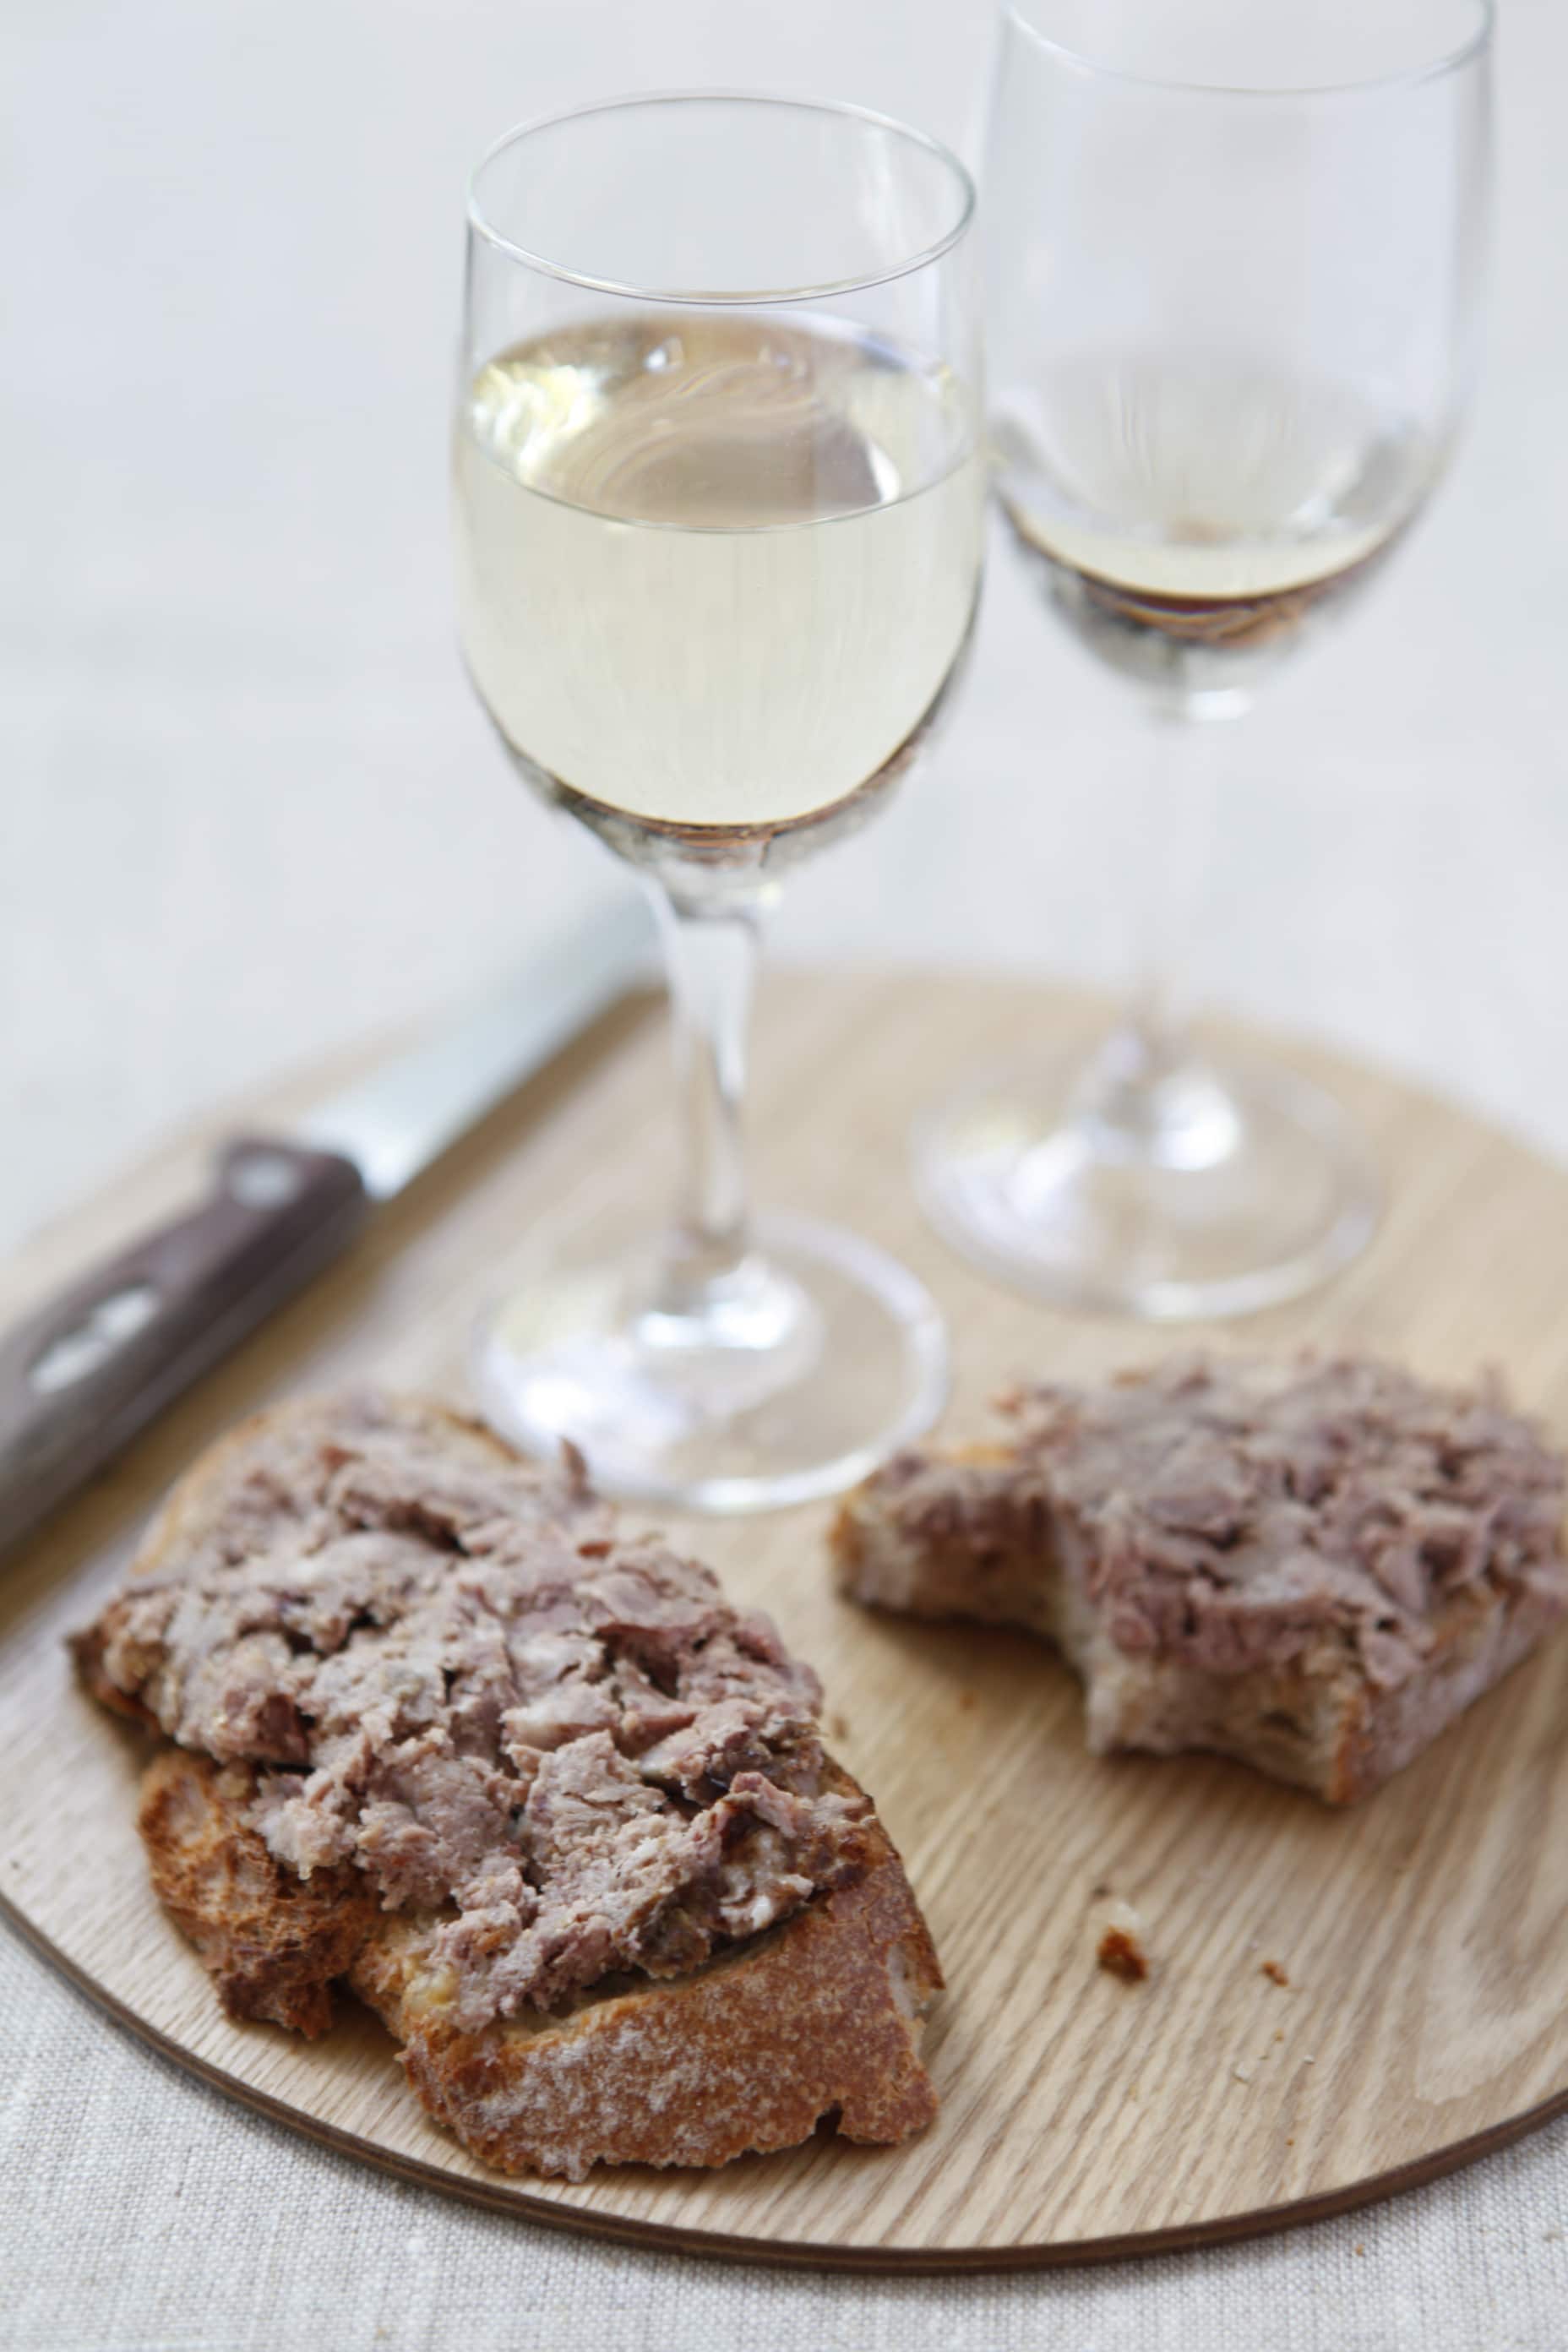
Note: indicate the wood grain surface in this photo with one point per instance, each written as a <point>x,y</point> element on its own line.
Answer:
<point>1425,1936</point>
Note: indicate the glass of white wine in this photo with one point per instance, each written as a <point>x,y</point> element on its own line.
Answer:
<point>1232,252</point>
<point>719,509</point>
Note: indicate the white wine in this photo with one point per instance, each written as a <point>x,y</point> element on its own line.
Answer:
<point>713,571</point>
<point>1194,515</point>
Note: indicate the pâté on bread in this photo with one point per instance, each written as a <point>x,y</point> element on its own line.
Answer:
<point>1314,1566</point>
<point>529,1785</point>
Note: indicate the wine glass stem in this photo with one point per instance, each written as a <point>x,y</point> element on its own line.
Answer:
<point>710,956</point>
<point>1145,1098</point>
<point>1173,853</point>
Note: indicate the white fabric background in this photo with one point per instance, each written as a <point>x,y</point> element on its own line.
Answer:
<point>250,812</point>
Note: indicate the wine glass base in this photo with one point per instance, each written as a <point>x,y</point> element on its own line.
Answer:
<point>818,1358</point>
<point>1234,1187</point>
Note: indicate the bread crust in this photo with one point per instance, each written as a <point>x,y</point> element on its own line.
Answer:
<point>272,1943</point>
<point>821,2015</point>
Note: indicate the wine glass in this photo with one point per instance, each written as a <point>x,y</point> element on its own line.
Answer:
<point>718,504</point>
<point>1233,254</point>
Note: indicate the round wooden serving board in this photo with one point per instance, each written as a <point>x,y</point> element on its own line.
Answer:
<point>1425,1937</point>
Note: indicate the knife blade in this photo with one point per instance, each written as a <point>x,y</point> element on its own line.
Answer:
<point>92,1367</point>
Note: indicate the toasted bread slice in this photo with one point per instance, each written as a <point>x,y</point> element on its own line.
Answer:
<point>1014,1534</point>
<point>816,2015</point>
<point>821,2016</point>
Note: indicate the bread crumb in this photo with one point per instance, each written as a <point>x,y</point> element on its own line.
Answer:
<point>1308,2061</point>
<point>1359,2246</point>
<point>1290,2141</point>
<point>836,1725</point>
<point>1279,2033</point>
<point>1274,1972</point>
<point>1121,1951</point>
<point>1243,2073</point>
<point>1121,1954</point>
<point>968,1698</point>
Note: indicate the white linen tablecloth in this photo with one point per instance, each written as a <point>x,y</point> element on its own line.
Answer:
<point>249,812</point>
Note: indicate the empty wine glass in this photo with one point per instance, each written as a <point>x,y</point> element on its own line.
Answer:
<point>719,498</point>
<point>1233,254</point>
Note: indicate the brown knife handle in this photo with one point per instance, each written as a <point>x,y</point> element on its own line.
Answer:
<point>85,1372</point>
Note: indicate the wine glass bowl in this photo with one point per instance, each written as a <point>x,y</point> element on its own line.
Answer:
<point>1197,514</point>
<point>718,494</point>
<point>1233,258</point>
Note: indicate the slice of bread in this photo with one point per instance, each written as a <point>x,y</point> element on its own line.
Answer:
<point>1260,1561</point>
<point>817,2015</point>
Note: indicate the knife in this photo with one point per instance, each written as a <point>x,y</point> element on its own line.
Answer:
<point>86,1371</point>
